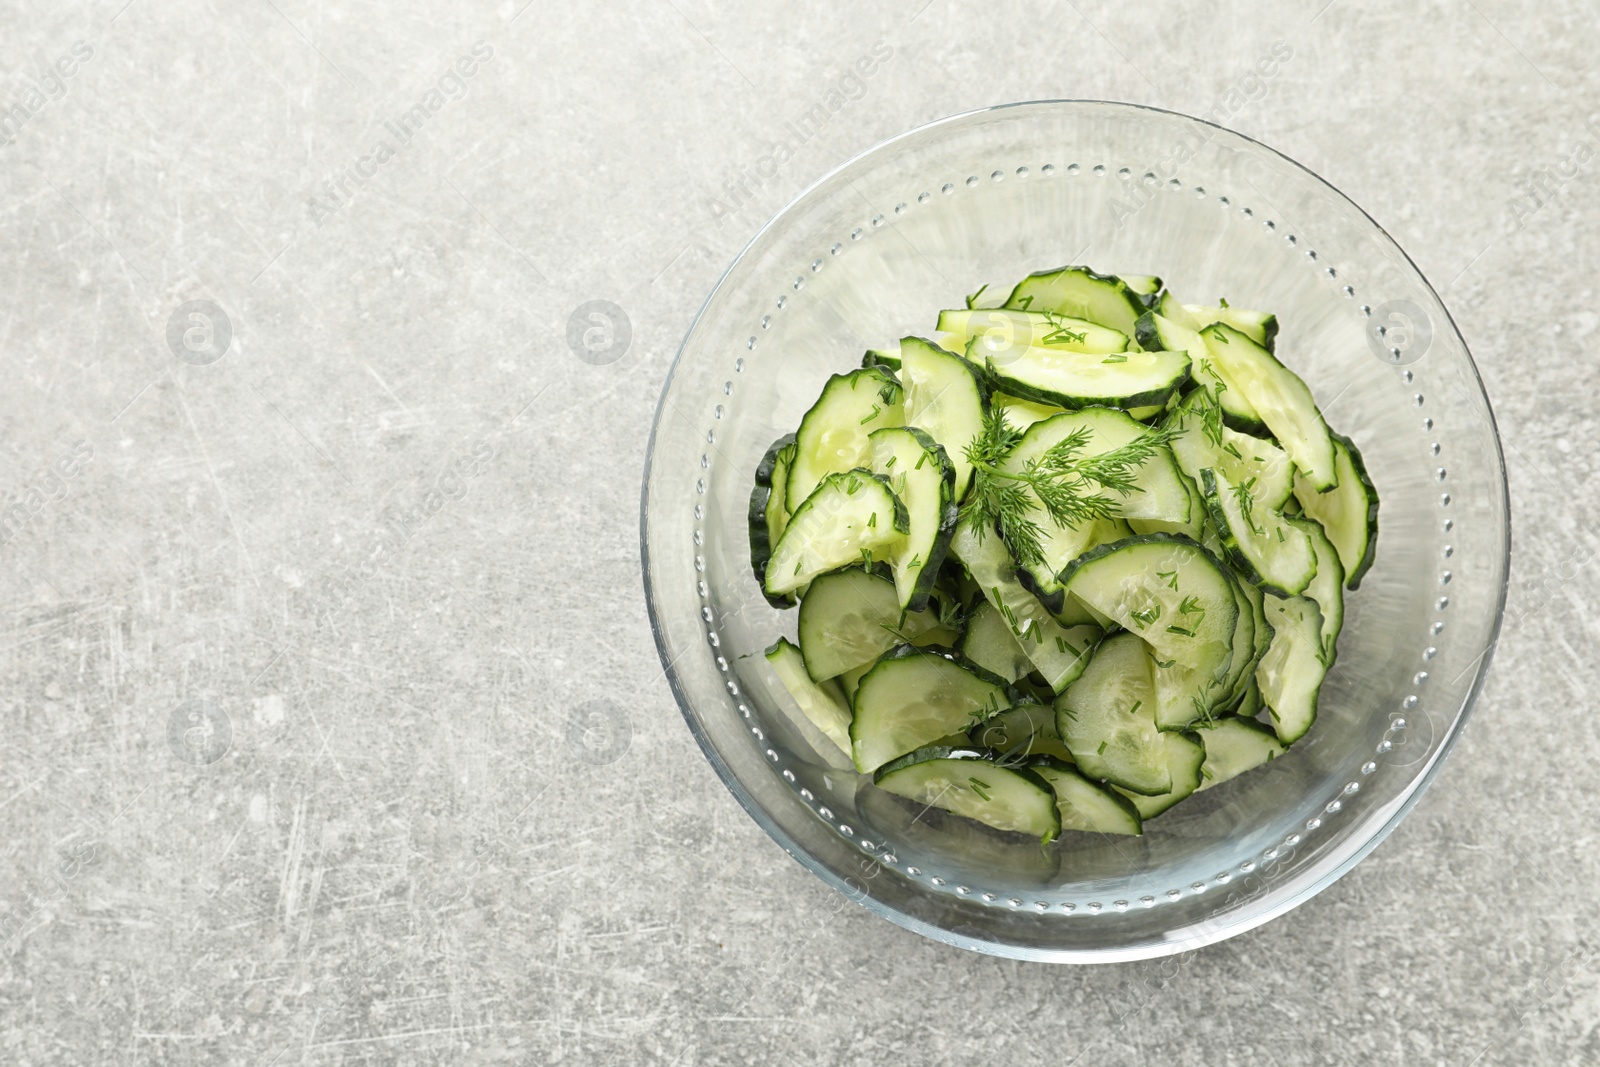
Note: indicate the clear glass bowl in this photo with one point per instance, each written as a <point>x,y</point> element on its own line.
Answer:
<point>870,253</point>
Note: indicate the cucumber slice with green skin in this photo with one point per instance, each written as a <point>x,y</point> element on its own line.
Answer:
<point>849,517</point>
<point>1161,493</point>
<point>1186,695</point>
<point>823,704</point>
<point>1326,590</point>
<point>1200,443</point>
<point>1169,591</point>
<point>1290,674</point>
<point>849,618</point>
<point>943,397</point>
<point>1249,704</point>
<point>1260,326</point>
<point>1021,730</point>
<point>1058,652</point>
<point>1079,293</point>
<point>1261,544</point>
<point>1147,287</point>
<point>877,357</point>
<point>990,644</point>
<point>914,696</point>
<point>968,782</point>
<point>768,516</point>
<point>833,435</point>
<point>920,474</point>
<point>1139,380</point>
<point>1107,719</point>
<point>1157,332</point>
<point>1234,746</point>
<point>850,679</point>
<point>1185,754</point>
<point>999,331</point>
<point>1021,413</point>
<point>1348,512</point>
<point>1086,805</point>
<point>1282,399</point>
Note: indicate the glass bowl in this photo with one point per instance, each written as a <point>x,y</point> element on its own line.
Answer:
<point>870,253</point>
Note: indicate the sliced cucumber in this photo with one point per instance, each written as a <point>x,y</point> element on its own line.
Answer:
<point>1264,545</point>
<point>1205,440</point>
<point>823,704</point>
<point>1249,704</point>
<point>1169,591</point>
<point>1059,652</point>
<point>912,697</point>
<point>943,397</point>
<point>850,515</point>
<point>768,515</point>
<point>833,434</point>
<point>1348,512</point>
<point>1234,746</point>
<point>1107,719</point>
<point>1086,805</point>
<point>1000,331</point>
<point>1291,672</point>
<point>920,475</point>
<point>1147,287</point>
<point>990,644</point>
<point>1156,332</point>
<point>1022,413</point>
<point>1260,326</point>
<point>1326,590</point>
<point>1160,492</point>
<point>877,357</point>
<point>967,782</point>
<point>1022,730</point>
<point>1185,754</point>
<point>1079,380</point>
<point>1186,695</point>
<point>849,618</point>
<point>1282,399</point>
<point>1080,293</point>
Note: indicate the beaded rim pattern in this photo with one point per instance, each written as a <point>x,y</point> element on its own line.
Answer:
<point>1397,726</point>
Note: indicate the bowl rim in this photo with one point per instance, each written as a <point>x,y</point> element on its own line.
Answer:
<point>1309,883</point>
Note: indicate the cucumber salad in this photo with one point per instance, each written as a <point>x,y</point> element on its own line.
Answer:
<point>1078,556</point>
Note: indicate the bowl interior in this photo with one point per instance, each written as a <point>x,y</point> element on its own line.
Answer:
<point>872,252</point>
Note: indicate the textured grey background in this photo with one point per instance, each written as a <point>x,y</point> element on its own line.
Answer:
<point>308,651</point>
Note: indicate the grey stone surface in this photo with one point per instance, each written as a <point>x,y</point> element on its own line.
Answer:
<point>265,805</point>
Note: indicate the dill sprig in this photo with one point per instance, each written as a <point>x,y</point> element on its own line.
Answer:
<point>1068,485</point>
<point>1245,498</point>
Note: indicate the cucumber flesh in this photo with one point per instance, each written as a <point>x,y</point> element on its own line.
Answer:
<point>1290,674</point>
<point>1086,805</point>
<point>968,783</point>
<point>769,514</point>
<point>1205,440</point>
<point>1283,400</point>
<point>1000,331</point>
<point>1326,590</point>
<point>1262,544</point>
<point>913,697</point>
<point>1022,730</point>
<point>1078,380</point>
<point>990,644</point>
<point>1185,754</point>
<point>1348,512</point>
<point>823,704</point>
<point>1260,326</point>
<point>850,617</point>
<point>1158,332</point>
<point>1169,591</point>
<point>833,435</point>
<point>1058,652</point>
<point>944,398</point>
<point>849,517</point>
<point>1234,746</point>
<point>920,475</point>
<point>1107,719</point>
<point>1080,293</point>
